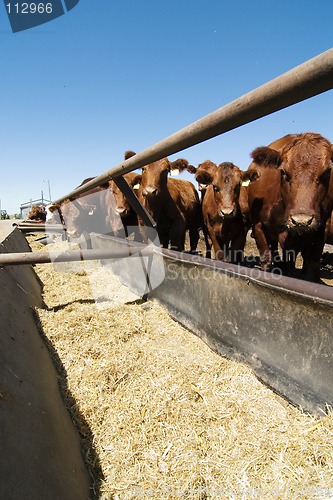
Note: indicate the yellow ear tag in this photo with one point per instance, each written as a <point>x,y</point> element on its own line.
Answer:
<point>246,183</point>
<point>174,172</point>
<point>136,186</point>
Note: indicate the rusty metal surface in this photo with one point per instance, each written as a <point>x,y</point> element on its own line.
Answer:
<point>24,258</point>
<point>281,327</point>
<point>29,227</point>
<point>302,82</point>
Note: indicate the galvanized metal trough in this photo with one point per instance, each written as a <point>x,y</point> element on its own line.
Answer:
<point>40,447</point>
<point>281,327</point>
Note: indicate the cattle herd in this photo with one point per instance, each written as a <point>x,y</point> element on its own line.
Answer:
<point>285,198</point>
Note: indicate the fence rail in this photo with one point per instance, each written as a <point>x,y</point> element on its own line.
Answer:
<point>302,82</point>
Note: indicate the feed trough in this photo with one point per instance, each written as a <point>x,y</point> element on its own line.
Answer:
<point>39,444</point>
<point>280,326</point>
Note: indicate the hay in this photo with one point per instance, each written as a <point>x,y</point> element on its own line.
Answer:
<point>162,416</point>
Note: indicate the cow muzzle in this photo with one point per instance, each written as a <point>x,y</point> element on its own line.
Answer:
<point>150,192</point>
<point>302,220</point>
<point>122,211</point>
<point>227,212</point>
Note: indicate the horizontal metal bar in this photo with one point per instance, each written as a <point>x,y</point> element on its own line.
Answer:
<point>302,82</point>
<point>29,258</point>
<point>44,228</point>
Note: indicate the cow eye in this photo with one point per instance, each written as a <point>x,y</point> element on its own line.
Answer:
<point>285,176</point>
<point>216,189</point>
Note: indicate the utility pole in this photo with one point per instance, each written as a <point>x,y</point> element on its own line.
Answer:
<point>48,183</point>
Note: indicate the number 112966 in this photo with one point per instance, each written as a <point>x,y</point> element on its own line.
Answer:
<point>29,8</point>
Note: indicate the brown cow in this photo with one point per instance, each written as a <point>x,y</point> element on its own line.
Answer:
<point>115,201</point>
<point>207,167</point>
<point>225,209</point>
<point>103,209</point>
<point>37,213</point>
<point>265,203</point>
<point>173,203</point>
<point>86,213</point>
<point>288,198</point>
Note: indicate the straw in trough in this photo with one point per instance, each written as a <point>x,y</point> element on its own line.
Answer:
<point>162,416</point>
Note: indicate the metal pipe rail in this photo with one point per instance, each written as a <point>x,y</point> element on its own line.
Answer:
<point>40,228</point>
<point>29,258</point>
<point>302,82</point>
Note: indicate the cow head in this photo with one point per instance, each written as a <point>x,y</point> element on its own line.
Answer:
<point>305,176</point>
<point>155,176</point>
<point>225,180</point>
<point>203,174</point>
<point>123,208</point>
<point>77,214</point>
<point>263,159</point>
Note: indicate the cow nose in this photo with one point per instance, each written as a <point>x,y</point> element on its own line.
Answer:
<point>301,219</point>
<point>227,211</point>
<point>122,211</point>
<point>149,191</point>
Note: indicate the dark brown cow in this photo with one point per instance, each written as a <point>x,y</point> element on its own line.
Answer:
<point>86,213</point>
<point>265,203</point>
<point>115,201</point>
<point>205,168</point>
<point>173,203</point>
<point>37,213</point>
<point>288,198</point>
<point>225,209</point>
<point>103,209</point>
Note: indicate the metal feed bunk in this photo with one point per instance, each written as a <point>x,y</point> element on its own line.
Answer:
<point>280,326</point>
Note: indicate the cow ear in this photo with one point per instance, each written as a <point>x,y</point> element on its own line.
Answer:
<point>205,172</point>
<point>245,179</point>
<point>136,181</point>
<point>203,177</point>
<point>251,175</point>
<point>191,169</point>
<point>178,166</point>
<point>266,156</point>
<point>174,171</point>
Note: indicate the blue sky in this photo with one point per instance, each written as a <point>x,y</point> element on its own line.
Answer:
<point>113,75</point>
